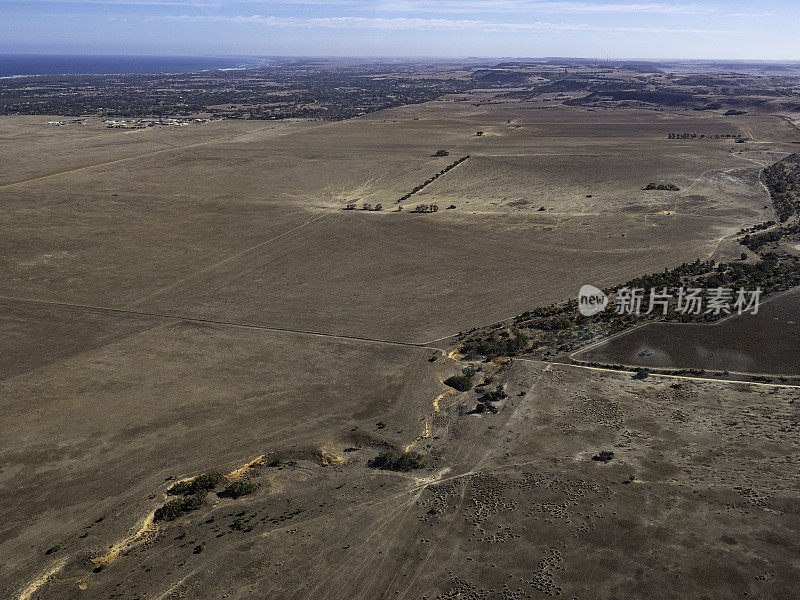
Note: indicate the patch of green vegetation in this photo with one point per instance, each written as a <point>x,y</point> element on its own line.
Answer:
<point>237,489</point>
<point>461,383</point>
<point>392,460</point>
<point>756,242</point>
<point>493,345</point>
<point>203,482</point>
<point>178,507</point>
<point>783,182</point>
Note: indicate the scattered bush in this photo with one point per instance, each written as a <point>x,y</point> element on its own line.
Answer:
<point>484,407</point>
<point>494,396</point>
<point>241,525</point>
<point>487,400</point>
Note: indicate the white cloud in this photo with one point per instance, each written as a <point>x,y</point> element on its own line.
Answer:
<point>543,6</point>
<point>409,23</point>
<point>197,3</point>
<point>374,22</point>
<point>438,6</point>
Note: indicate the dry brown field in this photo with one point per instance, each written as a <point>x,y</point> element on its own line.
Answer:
<point>174,301</point>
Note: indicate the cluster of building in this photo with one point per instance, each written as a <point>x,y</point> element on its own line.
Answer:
<point>143,123</point>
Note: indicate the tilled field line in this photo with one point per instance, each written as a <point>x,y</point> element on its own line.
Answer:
<point>224,261</point>
<point>190,319</point>
<point>140,155</point>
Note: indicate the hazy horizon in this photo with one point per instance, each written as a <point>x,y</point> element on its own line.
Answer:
<point>734,30</point>
<point>601,59</point>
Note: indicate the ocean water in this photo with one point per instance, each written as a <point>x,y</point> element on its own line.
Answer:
<point>12,65</point>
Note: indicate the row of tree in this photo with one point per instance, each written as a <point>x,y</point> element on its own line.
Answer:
<point>433,178</point>
<point>692,136</point>
<point>365,206</point>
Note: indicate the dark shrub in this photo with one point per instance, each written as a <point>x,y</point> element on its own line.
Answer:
<point>669,187</point>
<point>462,383</point>
<point>391,460</point>
<point>206,481</point>
<point>238,489</point>
<point>494,396</point>
<point>603,456</point>
<point>180,506</point>
<point>484,407</point>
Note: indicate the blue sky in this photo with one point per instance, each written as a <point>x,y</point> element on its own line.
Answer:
<point>733,29</point>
